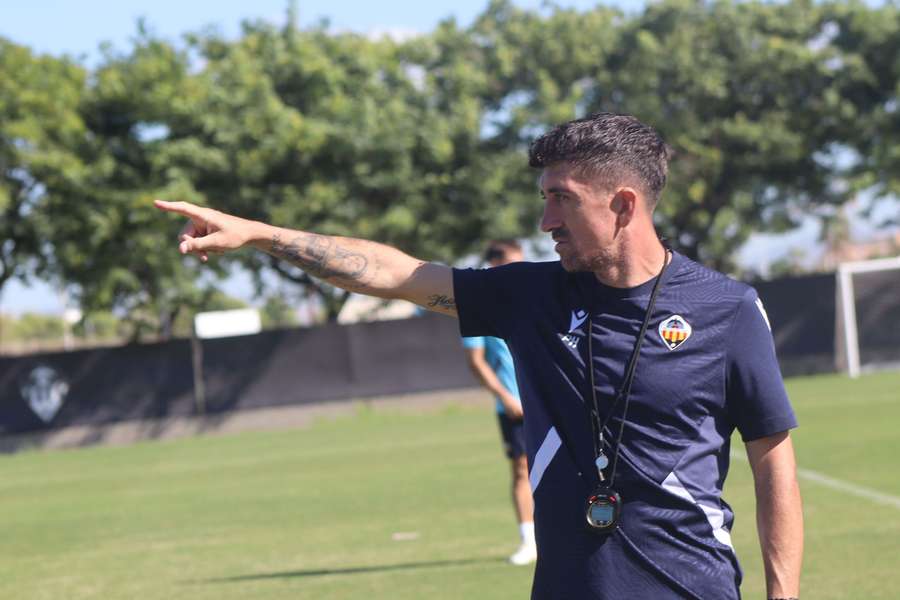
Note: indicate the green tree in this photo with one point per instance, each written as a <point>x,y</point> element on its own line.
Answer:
<point>868,38</point>
<point>747,95</point>
<point>541,69</point>
<point>345,135</point>
<point>757,99</point>
<point>775,111</point>
<point>39,122</point>
<point>143,138</point>
<point>278,312</point>
<point>35,326</point>
<point>100,325</point>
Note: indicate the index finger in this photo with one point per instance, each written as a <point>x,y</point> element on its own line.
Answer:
<point>182,208</point>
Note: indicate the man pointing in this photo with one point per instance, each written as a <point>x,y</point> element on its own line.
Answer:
<point>634,365</point>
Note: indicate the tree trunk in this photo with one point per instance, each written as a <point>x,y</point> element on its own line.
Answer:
<point>334,303</point>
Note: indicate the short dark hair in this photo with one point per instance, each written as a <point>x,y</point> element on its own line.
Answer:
<point>498,248</point>
<point>607,146</point>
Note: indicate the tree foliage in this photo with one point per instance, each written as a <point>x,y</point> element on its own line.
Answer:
<point>868,39</point>
<point>747,96</point>
<point>345,135</point>
<point>141,140</point>
<point>775,111</point>
<point>39,124</point>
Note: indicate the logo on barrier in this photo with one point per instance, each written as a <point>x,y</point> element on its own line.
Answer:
<point>44,390</point>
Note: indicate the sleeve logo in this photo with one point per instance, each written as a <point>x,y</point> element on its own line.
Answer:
<point>674,331</point>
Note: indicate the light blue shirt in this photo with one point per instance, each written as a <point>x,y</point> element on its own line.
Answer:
<point>498,357</point>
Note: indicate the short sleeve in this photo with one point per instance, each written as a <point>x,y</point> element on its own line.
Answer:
<point>755,390</point>
<point>487,300</point>
<point>472,343</point>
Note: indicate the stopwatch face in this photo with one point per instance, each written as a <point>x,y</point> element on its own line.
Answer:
<point>602,511</point>
<point>601,514</point>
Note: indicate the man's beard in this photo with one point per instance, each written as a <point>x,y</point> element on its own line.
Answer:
<point>574,261</point>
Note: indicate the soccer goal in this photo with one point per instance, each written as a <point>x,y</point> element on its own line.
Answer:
<point>868,315</point>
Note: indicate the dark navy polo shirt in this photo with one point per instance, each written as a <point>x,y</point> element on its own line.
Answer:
<point>706,367</point>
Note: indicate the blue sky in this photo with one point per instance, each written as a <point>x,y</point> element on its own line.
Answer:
<point>78,29</point>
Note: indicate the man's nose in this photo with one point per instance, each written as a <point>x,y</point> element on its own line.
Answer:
<point>550,220</point>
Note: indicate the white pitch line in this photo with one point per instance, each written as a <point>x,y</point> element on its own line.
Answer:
<point>844,486</point>
<point>850,488</point>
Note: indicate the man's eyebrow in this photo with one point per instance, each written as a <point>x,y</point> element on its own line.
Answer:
<point>558,190</point>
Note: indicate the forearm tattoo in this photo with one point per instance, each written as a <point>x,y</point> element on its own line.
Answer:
<point>321,256</point>
<point>445,302</point>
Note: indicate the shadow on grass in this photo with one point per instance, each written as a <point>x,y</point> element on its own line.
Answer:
<point>352,570</point>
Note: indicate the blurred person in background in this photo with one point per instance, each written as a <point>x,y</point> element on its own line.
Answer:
<point>627,458</point>
<point>492,365</point>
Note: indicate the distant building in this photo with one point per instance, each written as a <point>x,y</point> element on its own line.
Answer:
<point>845,250</point>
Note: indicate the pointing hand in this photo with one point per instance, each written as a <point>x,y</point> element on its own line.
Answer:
<point>207,230</point>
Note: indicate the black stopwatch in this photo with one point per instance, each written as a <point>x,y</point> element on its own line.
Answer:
<point>602,512</point>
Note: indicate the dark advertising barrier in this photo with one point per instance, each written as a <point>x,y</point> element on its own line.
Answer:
<point>302,366</point>
<point>878,316</point>
<point>803,314</point>
<point>801,311</point>
<point>95,386</point>
<point>296,366</point>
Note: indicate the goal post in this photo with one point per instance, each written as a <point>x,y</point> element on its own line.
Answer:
<point>885,273</point>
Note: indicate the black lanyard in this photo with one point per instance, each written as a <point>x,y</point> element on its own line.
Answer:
<point>597,426</point>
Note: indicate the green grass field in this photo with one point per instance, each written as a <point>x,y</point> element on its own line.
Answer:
<point>312,513</point>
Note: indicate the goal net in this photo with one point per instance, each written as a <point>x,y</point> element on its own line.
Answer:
<point>868,316</point>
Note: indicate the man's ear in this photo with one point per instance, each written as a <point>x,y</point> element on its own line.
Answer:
<point>624,204</point>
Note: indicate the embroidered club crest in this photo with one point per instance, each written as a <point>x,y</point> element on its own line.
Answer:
<point>674,331</point>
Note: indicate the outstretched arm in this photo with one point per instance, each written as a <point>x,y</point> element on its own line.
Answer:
<point>779,514</point>
<point>351,264</point>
